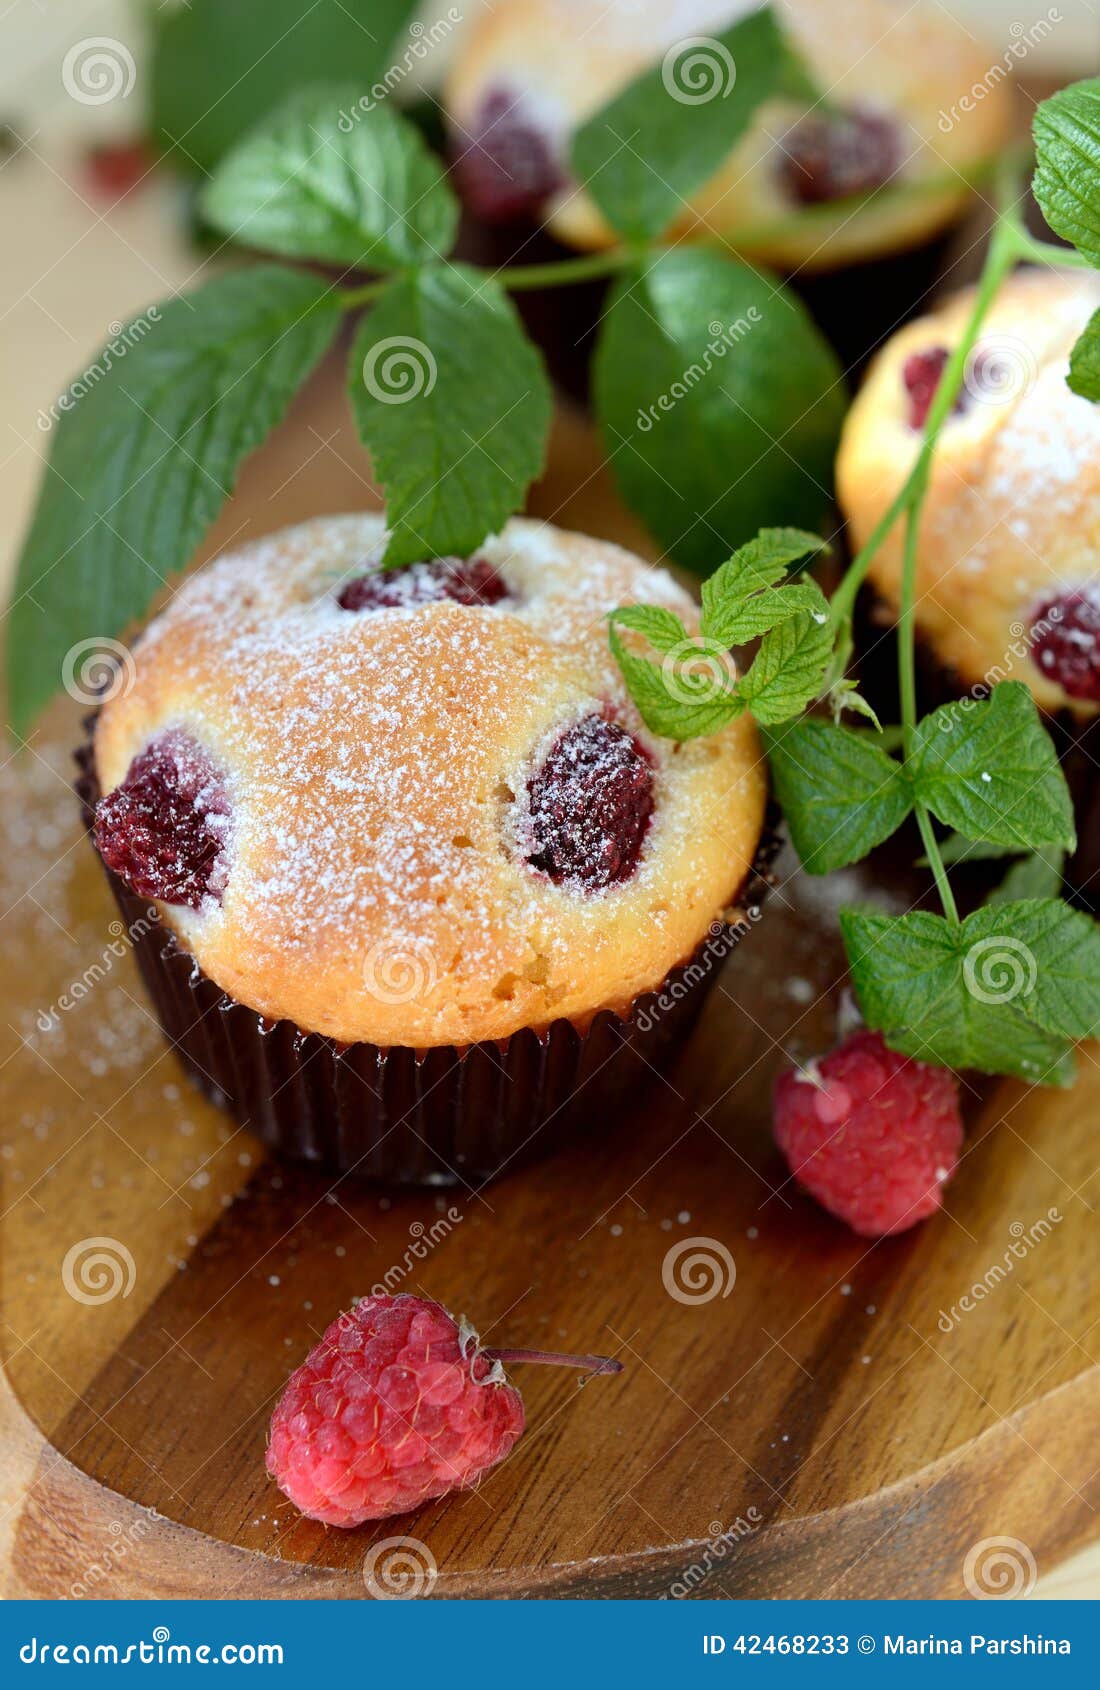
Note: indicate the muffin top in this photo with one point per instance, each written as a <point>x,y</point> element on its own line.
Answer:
<point>1009,555</point>
<point>418,807</point>
<point>910,96</point>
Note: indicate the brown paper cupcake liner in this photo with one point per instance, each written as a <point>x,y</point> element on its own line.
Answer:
<point>402,1116</point>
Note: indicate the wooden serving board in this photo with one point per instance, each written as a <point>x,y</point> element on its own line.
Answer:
<point>817,1415</point>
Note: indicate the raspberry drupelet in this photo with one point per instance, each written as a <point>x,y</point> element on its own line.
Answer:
<point>163,830</point>
<point>506,165</point>
<point>590,806</point>
<point>469,581</point>
<point>827,158</point>
<point>1065,641</point>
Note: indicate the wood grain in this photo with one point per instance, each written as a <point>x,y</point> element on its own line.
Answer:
<point>820,1402</point>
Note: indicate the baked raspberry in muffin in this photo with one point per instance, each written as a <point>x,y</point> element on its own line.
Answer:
<point>527,75</point>
<point>1008,582</point>
<point>392,816</point>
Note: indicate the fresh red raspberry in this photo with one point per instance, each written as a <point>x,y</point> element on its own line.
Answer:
<point>163,829</point>
<point>829,156</point>
<point>469,581</point>
<point>874,1136</point>
<point>590,806</point>
<point>397,1404</point>
<point>506,165</point>
<point>1065,640</point>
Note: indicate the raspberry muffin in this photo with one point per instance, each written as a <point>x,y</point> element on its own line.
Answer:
<point>1009,551</point>
<point>418,863</point>
<point>901,109</point>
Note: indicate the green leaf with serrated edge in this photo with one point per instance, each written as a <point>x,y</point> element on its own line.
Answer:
<point>840,794</point>
<point>322,178</point>
<point>219,66</point>
<point>661,627</point>
<point>719,401</point>
<point>667,132</point>
<point>790,666</point>
<point>1036,876</point>
<point>1067,168</point>
<point>989,769</point>
<point>673,714</point>
<point>910,976</point>
<point>739,599</point>
<point>845,696</point>
<point>453,402</point>
<point>141,464</point>
<point>1084,361</point>
<point>1046,954</point>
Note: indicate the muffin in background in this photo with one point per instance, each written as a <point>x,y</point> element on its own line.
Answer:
<point>902,109</point>
<point>1008,569</point>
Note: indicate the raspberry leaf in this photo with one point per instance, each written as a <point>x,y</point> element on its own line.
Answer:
<point>1084,361</point>
<point>995,992</point>
<point>219,66</point>
<point>840,793</point>
<point>691,693</point>
<point>789,669</point>
<point>719,401</point>
<point>453,402</point>
<point>1067,172</point>
<point>740,601</point>
<point>326,178</point>
<point>142,463</point>
<point>647,151</point>
<point>989,769</point>
<point>1036,876</point>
